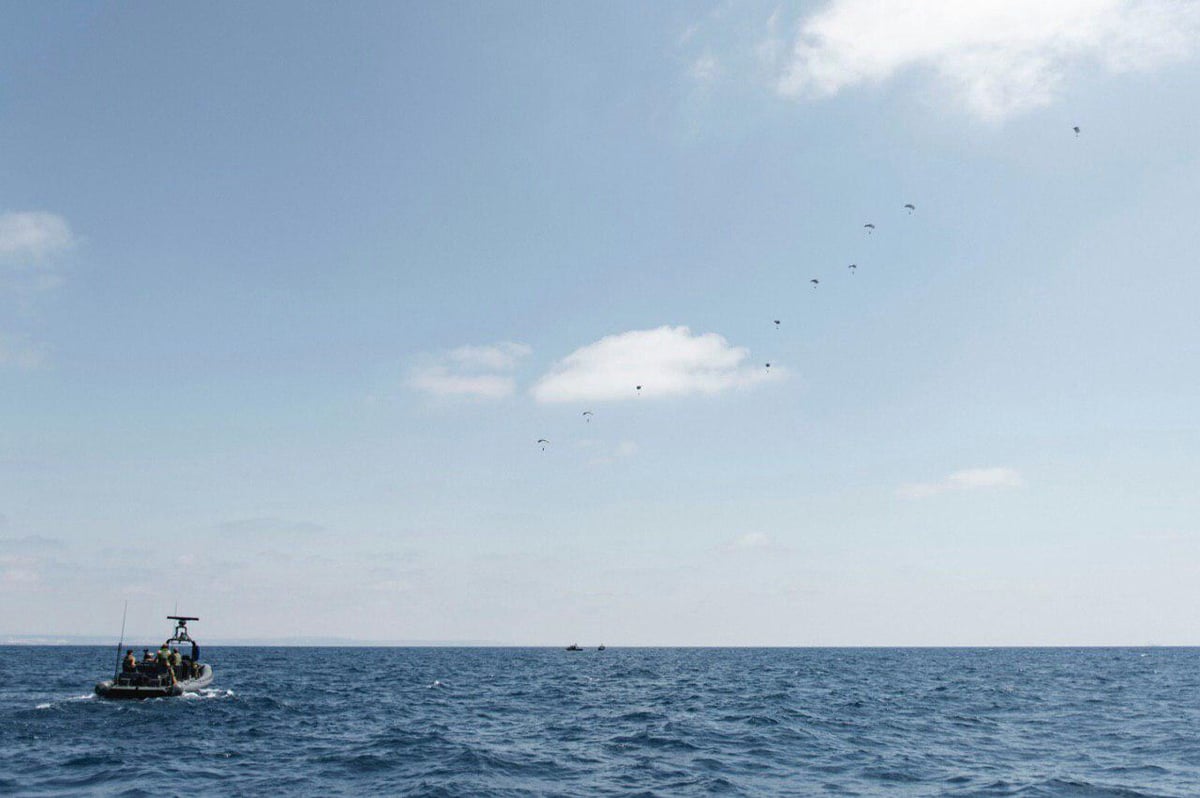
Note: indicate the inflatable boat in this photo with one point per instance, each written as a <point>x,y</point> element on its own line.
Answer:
<point>161,676</point>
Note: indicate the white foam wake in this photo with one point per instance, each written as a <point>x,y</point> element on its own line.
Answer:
<point>50,704</point>
<point>208,692</point>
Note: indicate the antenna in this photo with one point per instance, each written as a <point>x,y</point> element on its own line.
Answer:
<point>121,642</point>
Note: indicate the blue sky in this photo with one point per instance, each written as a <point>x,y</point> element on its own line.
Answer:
<point>288,293</point>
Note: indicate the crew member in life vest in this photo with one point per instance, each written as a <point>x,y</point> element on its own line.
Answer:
<point>163,659</point>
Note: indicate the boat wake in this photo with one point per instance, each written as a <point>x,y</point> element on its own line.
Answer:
<point>207,692</point>
<point>52,704</point>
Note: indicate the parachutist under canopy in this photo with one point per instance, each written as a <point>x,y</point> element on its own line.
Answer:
<point>1076,129</point>
<point>869,227</point>
<point>815,282</point>
<point>910,207</point>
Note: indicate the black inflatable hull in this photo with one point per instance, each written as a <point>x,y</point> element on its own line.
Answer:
<point>112,690</point>
<point>116,691</point>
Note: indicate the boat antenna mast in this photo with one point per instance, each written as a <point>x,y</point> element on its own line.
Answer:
<point>121,642</point>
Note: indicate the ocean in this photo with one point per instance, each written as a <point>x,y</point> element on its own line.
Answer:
<point>669,722</point>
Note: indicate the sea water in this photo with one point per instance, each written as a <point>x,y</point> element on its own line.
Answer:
<point>513,721</point>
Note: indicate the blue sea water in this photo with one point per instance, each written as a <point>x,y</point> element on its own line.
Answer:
<point>510,721</point>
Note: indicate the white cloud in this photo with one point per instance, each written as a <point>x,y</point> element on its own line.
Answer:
<point>758,543</point>
<point>391,586</point>
<point>479,372</point>
<point>986,478</point>
<point>665,361</point>
<point>20,352</point>
<point>688,33</point>
<point>27,239</point>
<point>603,454</point>
<point>437,381</point>
<point>999,57</point>
<point>705,68</point>
<point>269,526</point>
<point>28,543</point>
<point>503,356</point>
<point>18,572</point>
<point>969,479</point>
<point>752,540</point>
<point>33,234</point>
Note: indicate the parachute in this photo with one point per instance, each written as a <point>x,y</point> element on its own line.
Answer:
<point>1076,129</point>
<point>910,207</point>
<point>853,267</point>
<point>543,442</point>
<point>587,414</point>
<point>869,227</point>
<point>815,282</point>
<point>639,389</point>
<point>777,324</point>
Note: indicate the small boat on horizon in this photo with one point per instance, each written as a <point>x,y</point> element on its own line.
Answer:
<point>602,647</point>
<point>167,674</point>
<point>574,647</point>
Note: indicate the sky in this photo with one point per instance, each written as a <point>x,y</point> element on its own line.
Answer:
<point>290,292</point>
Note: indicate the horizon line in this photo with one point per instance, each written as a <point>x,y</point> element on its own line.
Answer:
<point>32,641</point>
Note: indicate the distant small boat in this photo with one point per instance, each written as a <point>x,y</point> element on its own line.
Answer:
<point>602,647</point>
<point>574,647</point>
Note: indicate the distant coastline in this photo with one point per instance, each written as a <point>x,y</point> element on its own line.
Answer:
<point>286,642</point>
<point>333,642</point>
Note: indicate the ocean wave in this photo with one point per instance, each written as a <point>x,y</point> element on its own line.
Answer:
<point>653,722</point>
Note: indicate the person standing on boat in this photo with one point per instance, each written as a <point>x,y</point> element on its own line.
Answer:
<point>175,660</point>
<point>164,662</point>
<point>130,664</point>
